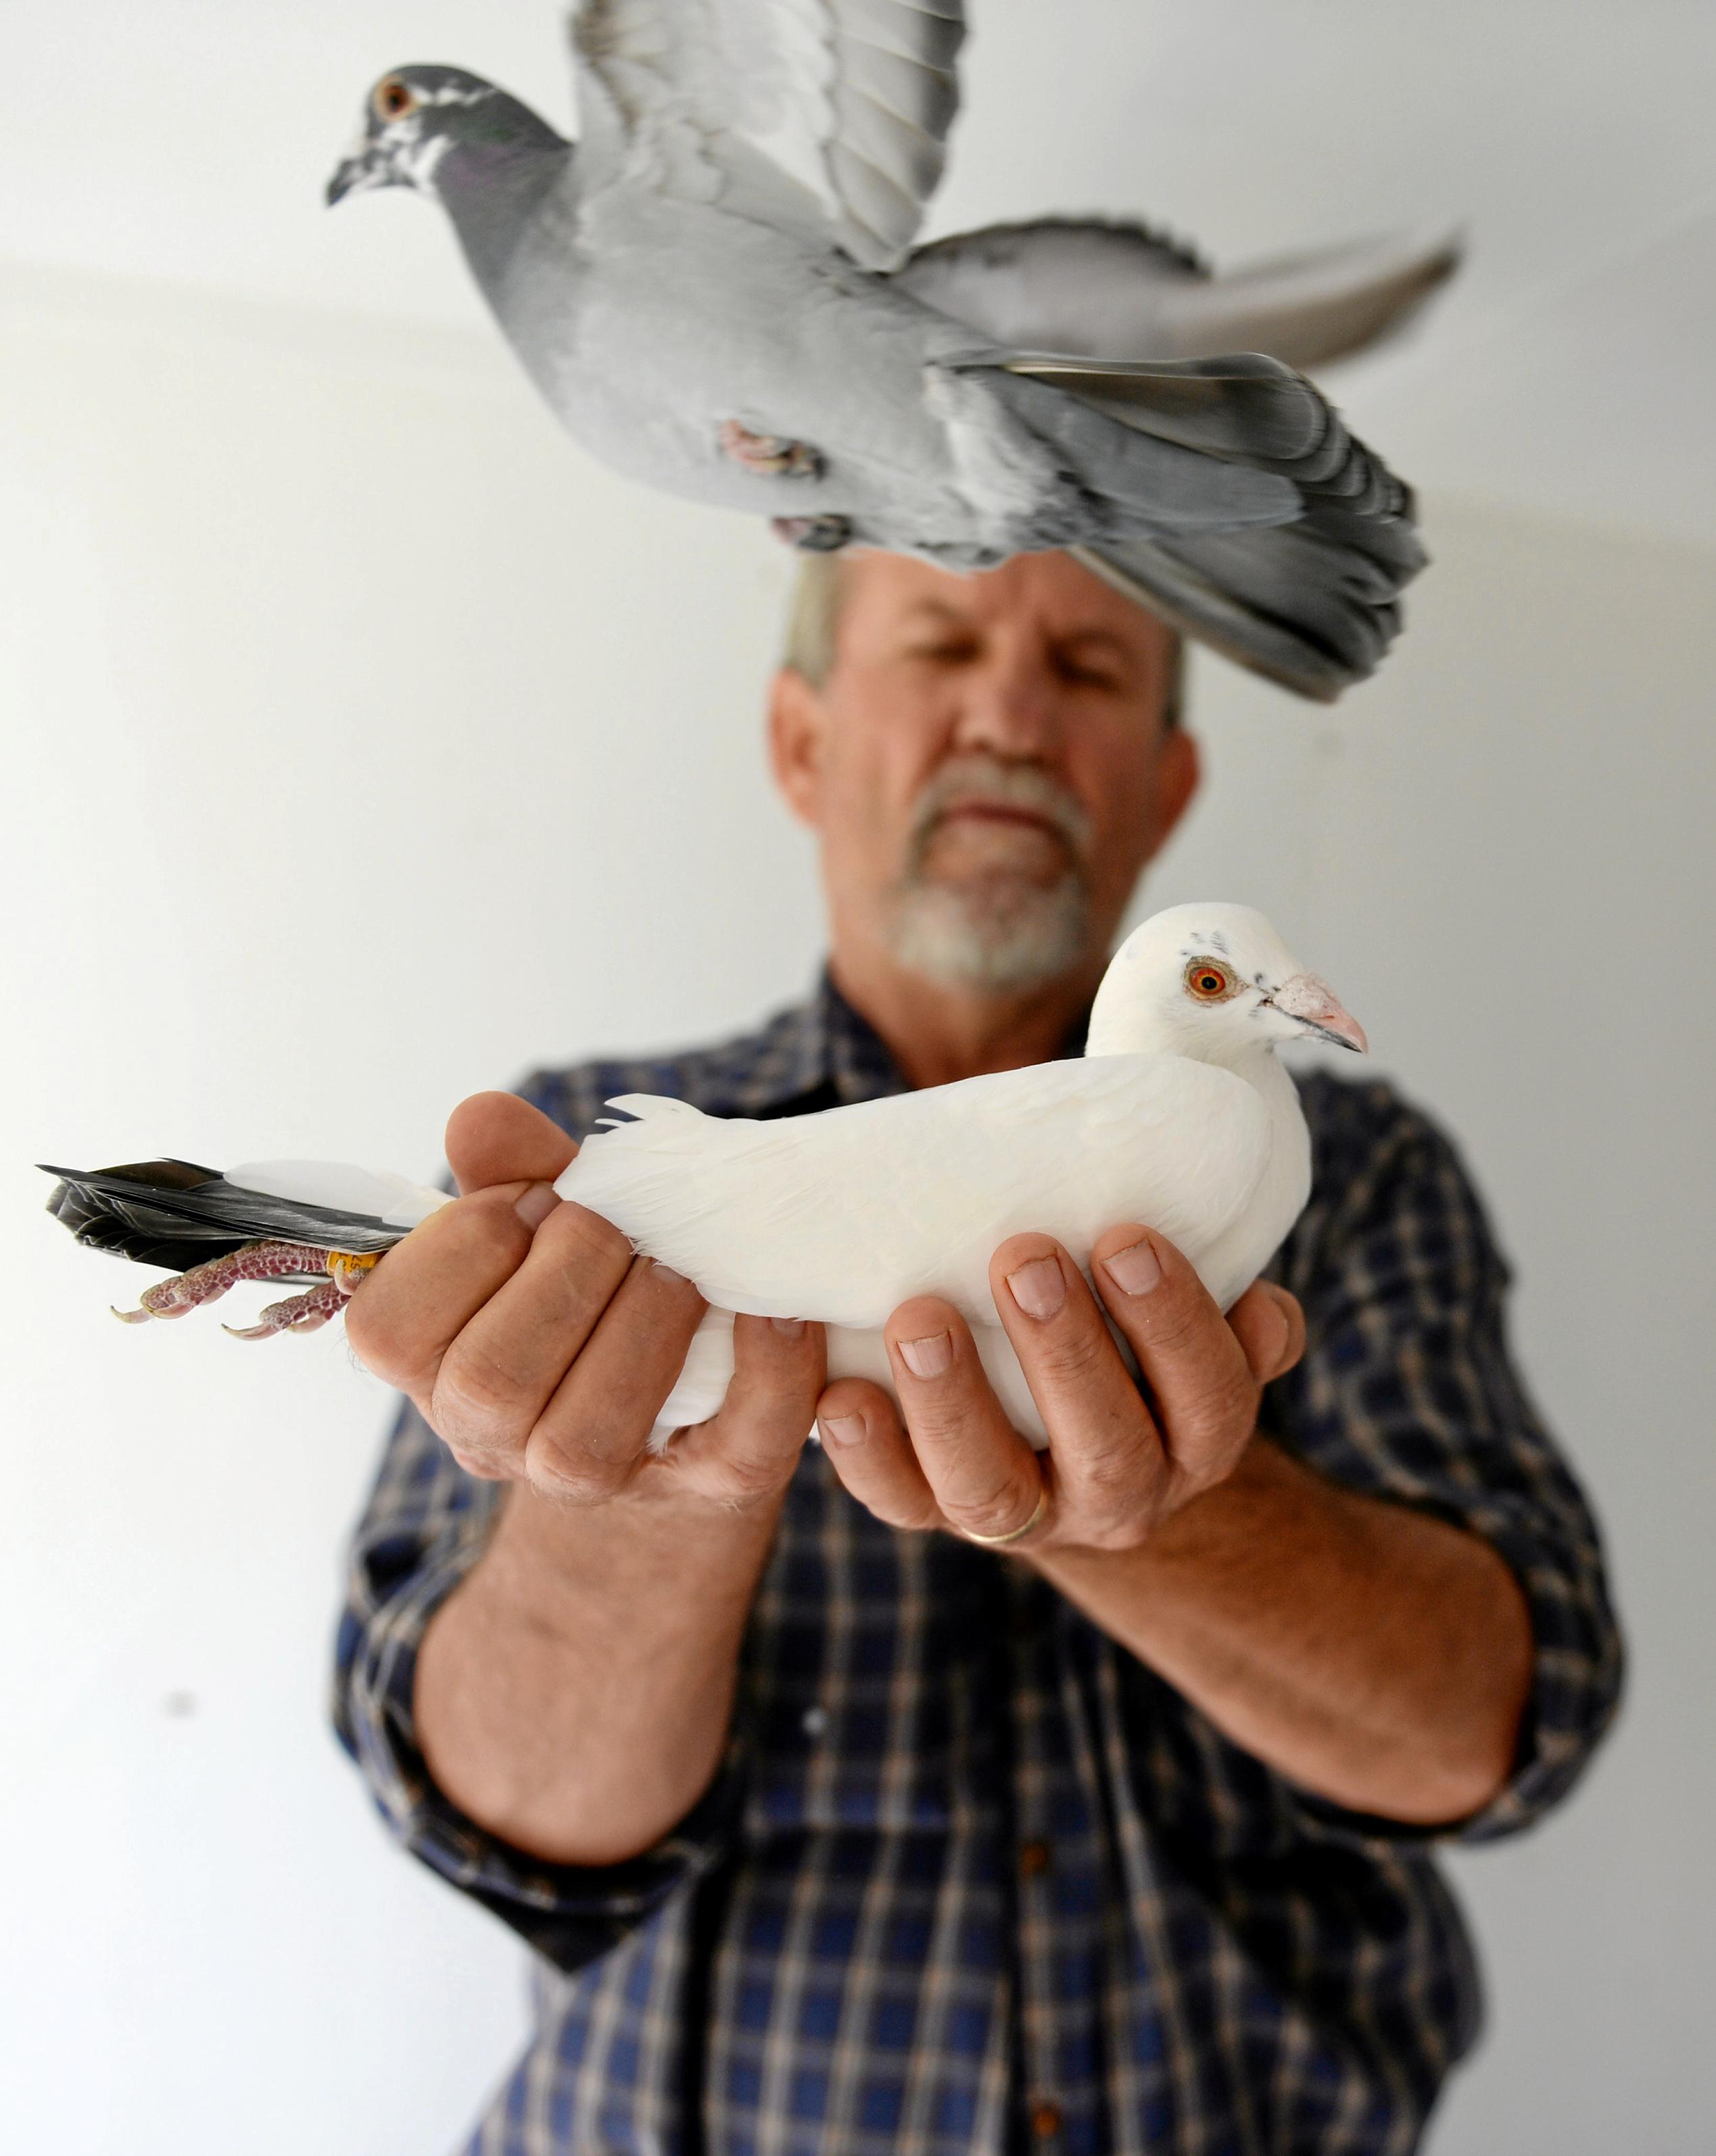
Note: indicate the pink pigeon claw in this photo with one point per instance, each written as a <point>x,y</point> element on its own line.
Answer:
<point>775,456</point>
<point>208,1282</point>
<point>299,1313</point>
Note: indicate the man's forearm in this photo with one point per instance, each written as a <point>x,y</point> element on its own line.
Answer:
<point>1376,1655</point>
<point>573,1695</point>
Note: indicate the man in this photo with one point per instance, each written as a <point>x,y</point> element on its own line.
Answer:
<point>838,1828</point>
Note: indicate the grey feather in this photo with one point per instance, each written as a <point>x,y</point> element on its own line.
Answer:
<point>691,78</point>
<point>1309,611</point>
<point>1137,476</point>
<point>1122,291</point>
<point>1240,405</point>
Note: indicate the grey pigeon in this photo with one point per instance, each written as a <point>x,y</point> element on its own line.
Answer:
<point>712,290</point>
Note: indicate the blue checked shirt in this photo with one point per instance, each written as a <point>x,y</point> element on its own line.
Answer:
<point>971,1877</point>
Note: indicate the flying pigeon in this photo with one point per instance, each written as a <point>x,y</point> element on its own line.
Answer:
<point>1177,1115</point>
<point>715,290</point>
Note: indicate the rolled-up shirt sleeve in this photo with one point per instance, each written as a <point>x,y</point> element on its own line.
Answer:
<point>425,1526</point>
<point>1407,1393</point>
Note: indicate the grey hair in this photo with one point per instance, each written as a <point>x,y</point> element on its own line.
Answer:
<point>813,618</point>
<point>814,622</point>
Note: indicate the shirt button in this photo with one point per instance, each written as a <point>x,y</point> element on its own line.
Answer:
<point>1033,1859</point>
<point>1046,2121</point>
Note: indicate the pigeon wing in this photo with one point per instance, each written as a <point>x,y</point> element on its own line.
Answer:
<point>1311,598</point>
<point>839,108</point>
<point>840,1216</point>
<point>1122,291</point>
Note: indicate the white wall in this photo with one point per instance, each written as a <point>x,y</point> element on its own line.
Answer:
<point>1501,851</point>
<point>365,744</point>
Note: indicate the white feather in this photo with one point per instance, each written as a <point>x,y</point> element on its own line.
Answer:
<point>840,1216</point>
<point>374,1192</point>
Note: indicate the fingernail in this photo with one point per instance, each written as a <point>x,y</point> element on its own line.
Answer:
<point>841,1430</point>
<point>792,1326</point>
<point>1038,1288</point>
<point>927,1357</point>
<point>537,1203</point>
<point>1276,1348</point>
<point>1134,1271</point>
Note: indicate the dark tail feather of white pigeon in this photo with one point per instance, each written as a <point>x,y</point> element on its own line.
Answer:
<point>174,1214</point>
<point>1121,291</point>
<point>319,1222</point>
<point>1313,603</point>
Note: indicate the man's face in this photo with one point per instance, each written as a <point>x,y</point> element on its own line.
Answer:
<point>988,763</point>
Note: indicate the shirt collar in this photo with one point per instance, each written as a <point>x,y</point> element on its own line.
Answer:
<point>852,1057</point>
<point>835,1048</point>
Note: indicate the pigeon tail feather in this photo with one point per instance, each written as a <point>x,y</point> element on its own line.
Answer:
<point>175,1214</point>
<point>1312,602</point>
<point>1316,650</point>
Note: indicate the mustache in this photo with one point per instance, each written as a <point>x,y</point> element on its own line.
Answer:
<point>1020,786</point>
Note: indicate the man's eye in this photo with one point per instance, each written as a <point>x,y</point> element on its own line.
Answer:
<point>1085,674</point>
<point>947,653</point>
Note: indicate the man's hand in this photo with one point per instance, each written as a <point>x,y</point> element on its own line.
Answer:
<point>1370,1652</point>
<point>1116,1468</point>
<point>540,1349</point>
<point>572,1694</point>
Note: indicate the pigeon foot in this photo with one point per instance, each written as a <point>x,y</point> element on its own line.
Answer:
<point>773,456</point>
<point>813,535</point>
<point>299,1313</point>
<point>257,1261</point>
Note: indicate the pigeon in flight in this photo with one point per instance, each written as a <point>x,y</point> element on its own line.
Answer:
<point>714,289</point>
<point>1177,1115</point>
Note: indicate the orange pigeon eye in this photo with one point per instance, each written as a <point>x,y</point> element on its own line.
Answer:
<point>393,99</point>
<point>1209,981</point>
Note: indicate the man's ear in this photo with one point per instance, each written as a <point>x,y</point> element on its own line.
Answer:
<point>798,728</point>
<point>1177,776</point>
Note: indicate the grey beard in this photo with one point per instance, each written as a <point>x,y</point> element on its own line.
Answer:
<point>999,932</point>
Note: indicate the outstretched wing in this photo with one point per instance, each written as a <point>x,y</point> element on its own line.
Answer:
<point>1122,291</point>
<point>837,107</point>
<point>840,1216</point>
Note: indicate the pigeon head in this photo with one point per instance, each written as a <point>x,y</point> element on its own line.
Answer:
<point>1216,983</point>
<point>416,118</point>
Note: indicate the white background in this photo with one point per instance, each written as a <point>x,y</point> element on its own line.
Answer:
<point>365,744</point>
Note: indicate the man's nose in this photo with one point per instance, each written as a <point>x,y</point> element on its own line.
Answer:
<point>1008,707</point>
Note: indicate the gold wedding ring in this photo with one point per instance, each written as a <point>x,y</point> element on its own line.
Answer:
<point>1013,1534</point>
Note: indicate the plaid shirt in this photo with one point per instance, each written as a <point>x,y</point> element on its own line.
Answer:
<point>971,1877</point>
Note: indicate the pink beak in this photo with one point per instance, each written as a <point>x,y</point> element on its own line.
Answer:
<point>1315,1004</point>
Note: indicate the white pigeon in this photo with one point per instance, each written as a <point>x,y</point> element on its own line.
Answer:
<point>711,288</point>
<point>1178,1116</point>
